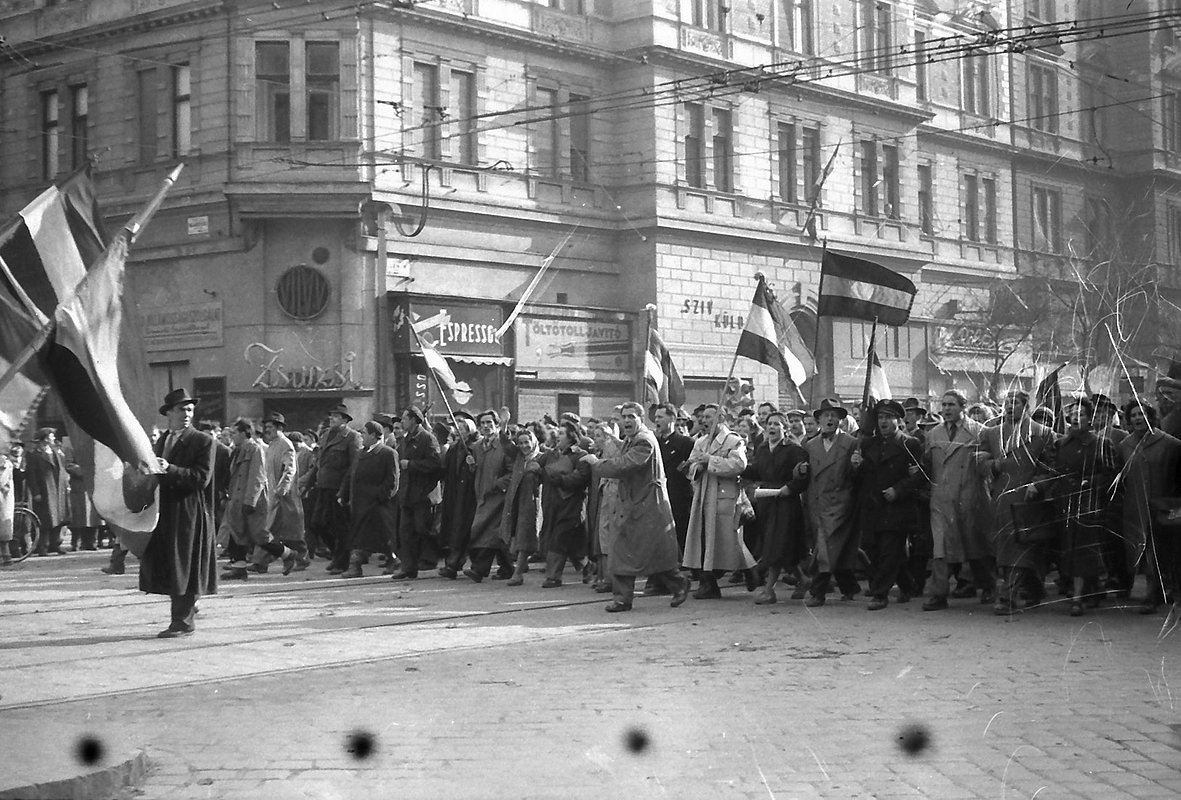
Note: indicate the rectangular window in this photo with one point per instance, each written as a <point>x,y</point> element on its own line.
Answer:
<point>273,90</point>
<point>580,138</point>
<point>322,60</point>
<point>50,135</point>
<point>786,147</point>
<point>1171,121</point>
<point>926,215</point>
<point>869,179</point>
<point>812,169</point>
<point>426,109</point>
<point>182,110</point>
<point>890,181</point>
<point>988,186</point>
<point>723,155</point>
<point>709,14</point>
<point>569,6</point>
<point>147,114</point>
<point>971,209</point>
<point>796,25</point>
<point>1047,220</point>
<point>1043,98</point>
<point>694,145</point>
<point>920,65</point>
<point>463,117</point>
<point>547,133</point>
<point>876,35</point>
<point>976,89</point>
<point>80,108</point>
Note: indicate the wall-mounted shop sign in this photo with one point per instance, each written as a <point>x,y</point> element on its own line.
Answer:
<point>182,327</point>
<point>275,375</point>
<point>559,346</point>
<point>450,327</point>
<point>706,308</point>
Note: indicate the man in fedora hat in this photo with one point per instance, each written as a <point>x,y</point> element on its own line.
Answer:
<point>180,558</point>
<point>284,508</point>
<point>335,456</point>
<point>829,503</point>
<point>48,485</point>
<point>890,466</point>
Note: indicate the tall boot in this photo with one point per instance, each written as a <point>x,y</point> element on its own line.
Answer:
<point>118,556</point>
<point>356,557</point>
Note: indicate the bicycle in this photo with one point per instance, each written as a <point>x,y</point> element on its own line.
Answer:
<point>26,530</point>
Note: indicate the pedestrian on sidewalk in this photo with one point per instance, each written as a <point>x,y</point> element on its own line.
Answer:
<point>646,541</point>
<point>180,558</point>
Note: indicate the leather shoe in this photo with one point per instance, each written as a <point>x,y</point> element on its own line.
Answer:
<point>878,603</point>
<point>112,570</point>
<point>935,604</point>
<point>234,575</point>
<point>551,583</point>
<point>516,580</point>
<point>766,597</point>
<point>751,579</point>
<point>654,590</point>
<point>334,570</point>
<point>475,576</point>
<point>707,592</point>
<point>616,606</point>
<point>603,588</point>
<point>681,594</point>
<point>814,600</point>
<point>448,573</point>
<point>289,562</point>
<point>173,633</point>
<point>404,576</point>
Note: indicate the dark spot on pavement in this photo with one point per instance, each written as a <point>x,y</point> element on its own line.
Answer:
<point>636,740</point>
<point>914,739</point>
<point>89,750</point>
<point>360,745</point>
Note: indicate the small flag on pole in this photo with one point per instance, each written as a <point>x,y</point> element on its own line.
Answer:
<point>859,289</point>
<point>661,378</point>
<point>879,387</point>
<point>771,338</point>
<point>437,363</point>
<point>1049,394</point>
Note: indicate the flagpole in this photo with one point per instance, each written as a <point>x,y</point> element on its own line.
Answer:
<point>734,361</point>
<point>439,386</point>
<point>131,230</point>
<point>869,366</point>
<point>816,334</point>
<point>650,312</point>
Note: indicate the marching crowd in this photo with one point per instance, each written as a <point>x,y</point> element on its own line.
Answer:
<point>958,502</point>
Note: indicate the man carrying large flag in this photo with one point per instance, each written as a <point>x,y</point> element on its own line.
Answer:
<point>771,337</point>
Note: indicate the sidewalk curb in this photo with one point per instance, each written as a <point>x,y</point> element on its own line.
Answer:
<point>106,782</point>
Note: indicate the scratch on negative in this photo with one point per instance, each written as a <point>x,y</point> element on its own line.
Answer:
<point>759,767</point>
<point>975,686</point>
<point>989,725</point>
<point>1039,791</point>
<point>819,763</point>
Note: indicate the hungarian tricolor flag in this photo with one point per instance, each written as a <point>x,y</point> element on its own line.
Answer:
<point>662,381</point>
<point>859,289</point>
<point>46,253</point>
<point>771,338</point>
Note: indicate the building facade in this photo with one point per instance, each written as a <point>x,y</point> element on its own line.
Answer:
<point>354,171</point>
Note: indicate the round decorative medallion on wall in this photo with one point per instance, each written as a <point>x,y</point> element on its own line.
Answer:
<point>303,292</point>
<point>321,255</point>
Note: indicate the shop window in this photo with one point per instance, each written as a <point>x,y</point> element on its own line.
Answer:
<point>210,394</point>
<point>303,292</point>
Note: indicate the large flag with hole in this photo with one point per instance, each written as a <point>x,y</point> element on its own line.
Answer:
<point>859,289</point>
<point>44,257</point>
<point>662,380</point>
<point>772,338</point>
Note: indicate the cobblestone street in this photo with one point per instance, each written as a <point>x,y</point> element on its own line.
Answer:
<point>483,691</point>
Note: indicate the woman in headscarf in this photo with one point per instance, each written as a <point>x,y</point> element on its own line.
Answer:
<point>779,518</point>
<point>522,504</point>
<point>565,478</point>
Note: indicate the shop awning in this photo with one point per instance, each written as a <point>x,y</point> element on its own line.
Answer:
<point>499,361</point>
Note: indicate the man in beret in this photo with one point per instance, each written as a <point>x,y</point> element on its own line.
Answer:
<point>889,466</point>
<point>421,463</point>
<point>334,459</point>
<point>180,557</point>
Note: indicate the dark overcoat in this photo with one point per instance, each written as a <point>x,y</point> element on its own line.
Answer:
<point>779,521</point>
<point>494,462</point>
<point>522,507</point>
<point>424,467</point>
<point>46,477</point>
<point>370,493</point>
<point>894,463</point>
<point>1012,457</point>
<point>565,478</point>
<point>829,502</point>
<point>180,557</point>
<point>459,497</point>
